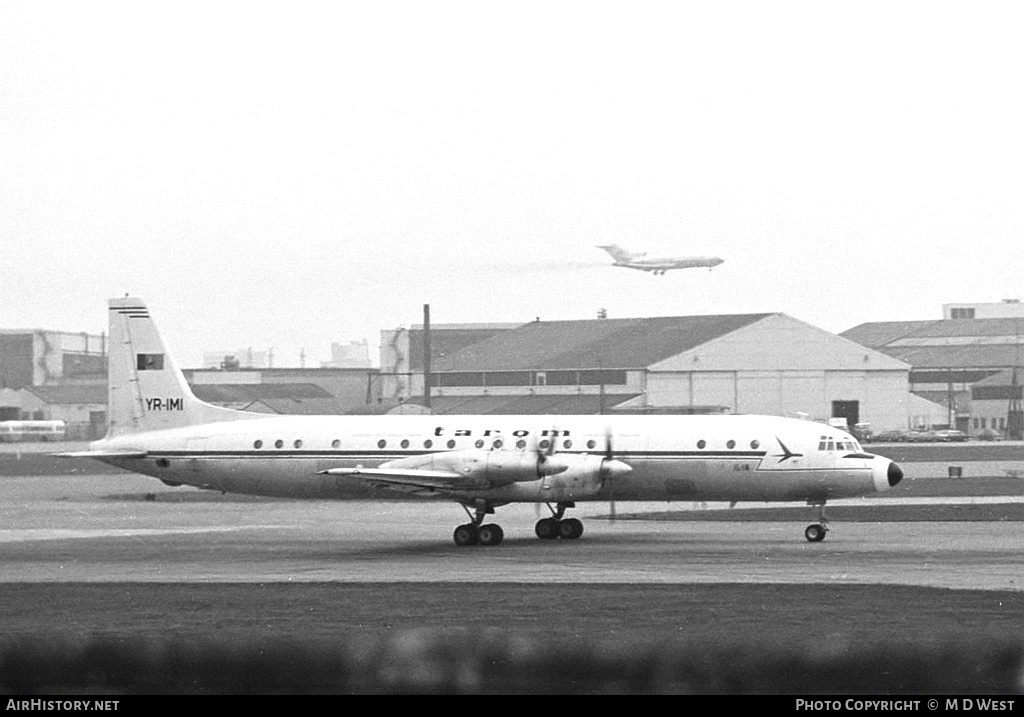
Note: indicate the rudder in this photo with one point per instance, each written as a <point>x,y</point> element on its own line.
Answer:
<point>146,389</point>
<point>617,252</point>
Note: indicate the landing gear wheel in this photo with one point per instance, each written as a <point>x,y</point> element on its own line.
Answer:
<point>815,533</point>
<point>547,529</point>
<point>466,535</point>
<point>570,529</point>
<point>491,534</point>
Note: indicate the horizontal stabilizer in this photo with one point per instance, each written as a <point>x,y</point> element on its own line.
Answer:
<point>102,454</point>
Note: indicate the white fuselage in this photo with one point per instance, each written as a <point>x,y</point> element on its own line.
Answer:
<point>735,458</point>
<point>664,264</point>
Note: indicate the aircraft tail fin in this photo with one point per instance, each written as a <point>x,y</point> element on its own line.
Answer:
<point>617,252</point>
<point>146,389</point>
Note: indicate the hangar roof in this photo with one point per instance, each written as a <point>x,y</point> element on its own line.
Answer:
<point>247,392</point>
<point>446,340</point>
<point>299,406</point>
<point>945,343</point>
<point>576,404</point>
<point>70,394</point>
<point>880,333</point>
<point>593,343</point>
<point>1003,378</point>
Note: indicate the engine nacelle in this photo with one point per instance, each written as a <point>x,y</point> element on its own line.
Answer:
<point>483,469</point>
<point>583,476</point>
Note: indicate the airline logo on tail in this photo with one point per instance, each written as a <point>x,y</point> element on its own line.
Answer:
<point>149,362</point>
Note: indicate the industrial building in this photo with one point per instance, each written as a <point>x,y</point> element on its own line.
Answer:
<point>996,403</point>
<point>402,352</point>
<point>37,357</point>
<point>948,357</point>
<point>54,375</point>
<point>749,363</point>
<point>1005,309</point>
<point>343,390</point>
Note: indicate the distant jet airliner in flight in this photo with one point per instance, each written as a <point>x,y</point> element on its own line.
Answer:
<point>158,427</point>
<point>658,265</point>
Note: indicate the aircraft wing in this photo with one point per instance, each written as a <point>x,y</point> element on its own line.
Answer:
<point>408,480</point>
<point>102,454</point>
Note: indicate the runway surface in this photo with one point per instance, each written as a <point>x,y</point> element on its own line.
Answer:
<point>98,529</point>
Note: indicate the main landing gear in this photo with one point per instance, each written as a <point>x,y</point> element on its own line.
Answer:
<point>473,533</point>
<point>815,532</point>
<point>555,527</point>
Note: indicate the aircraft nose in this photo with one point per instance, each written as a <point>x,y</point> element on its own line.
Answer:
<point>887,474</point>
<point>894,474</point>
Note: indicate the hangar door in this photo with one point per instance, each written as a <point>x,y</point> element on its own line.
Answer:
<point>850,410</point>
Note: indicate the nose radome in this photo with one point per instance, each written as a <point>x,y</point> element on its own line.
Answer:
<point>895,474</point>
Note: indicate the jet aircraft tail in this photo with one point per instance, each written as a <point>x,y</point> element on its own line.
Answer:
<point>617,252</point>
<point>146,389</point>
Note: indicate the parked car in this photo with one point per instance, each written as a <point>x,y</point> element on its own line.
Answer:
<point>921,437</point>
<point>989,434</point>
<point>862,432</point>
<point>889,437</point>
<point>950,434</point>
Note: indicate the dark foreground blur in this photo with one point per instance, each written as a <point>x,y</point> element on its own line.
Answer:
<point>415,661</point>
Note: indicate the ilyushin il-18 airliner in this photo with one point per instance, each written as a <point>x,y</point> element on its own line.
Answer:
<point>157,427</point>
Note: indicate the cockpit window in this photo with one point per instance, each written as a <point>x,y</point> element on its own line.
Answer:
<point>830,443</point>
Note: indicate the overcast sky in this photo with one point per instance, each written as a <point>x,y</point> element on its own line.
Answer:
<point>292,174</point>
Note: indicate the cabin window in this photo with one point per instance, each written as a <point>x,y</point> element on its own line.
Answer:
<point>278,443</point>
<point>701,443</point>
<point>451,443</point>
<point>730,444</point>
<point>298,443</point>
<point>567,444</point>
<point>591,443</point>
<point>258,444</point>
<point>428,443</point>
<point>335,443</point>
<point>520,443</point>
<point>755,443</point>
<point>381,443</point>
<point>405,443</point>
<point>479,443</point>
<point>544,444</point>
<point>498,443</point>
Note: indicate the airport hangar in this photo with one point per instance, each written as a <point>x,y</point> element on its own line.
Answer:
<point>765,363</point>
<point>750,363</point>
<point>954,361</point>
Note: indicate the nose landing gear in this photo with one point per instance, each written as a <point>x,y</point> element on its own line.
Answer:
<point>815,532</point>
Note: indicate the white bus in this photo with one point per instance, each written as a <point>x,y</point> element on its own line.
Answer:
<point>11,431</point>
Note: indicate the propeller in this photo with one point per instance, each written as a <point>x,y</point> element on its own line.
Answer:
<point>609,456</point>
<point>611,470</point>
<point>543,470</point>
